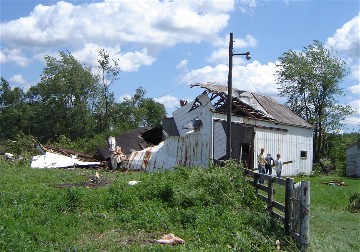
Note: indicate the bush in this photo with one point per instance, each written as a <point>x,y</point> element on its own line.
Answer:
<point>354,203</point>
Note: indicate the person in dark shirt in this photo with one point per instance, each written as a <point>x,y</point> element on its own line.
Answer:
<point>269,161</point>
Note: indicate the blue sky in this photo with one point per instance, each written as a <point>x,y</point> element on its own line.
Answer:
<point>164,46</point>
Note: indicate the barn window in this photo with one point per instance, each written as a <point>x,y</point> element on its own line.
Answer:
<point>303,154</point>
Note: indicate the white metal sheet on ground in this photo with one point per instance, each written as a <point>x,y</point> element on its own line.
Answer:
<point>54,160</point>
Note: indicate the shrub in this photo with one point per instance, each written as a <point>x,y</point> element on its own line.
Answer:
<point>354,203</point>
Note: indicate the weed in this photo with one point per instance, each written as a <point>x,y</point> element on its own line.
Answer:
<point>354,203</point>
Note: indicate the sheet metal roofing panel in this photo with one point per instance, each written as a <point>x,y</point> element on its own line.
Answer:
<point>280,112</point>
<point>264,104</point>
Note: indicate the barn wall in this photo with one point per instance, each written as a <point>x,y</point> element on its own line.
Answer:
<point>191,148</point>
<point>187,150</point>
<point>353,161</point>
<point>289,144</point>
<point>195,146</point>
<point>286,140</point>
<point>219,142</point>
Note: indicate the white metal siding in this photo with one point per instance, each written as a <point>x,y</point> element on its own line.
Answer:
<point>187,150</point>
<point>287,140</point>
<point>219,141</point>
<point>191,148</point>
<point>183,117</point>
<point>353,161</point>
<point>288,144</point>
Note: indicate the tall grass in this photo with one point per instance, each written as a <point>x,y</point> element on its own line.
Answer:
<point>211,209</point>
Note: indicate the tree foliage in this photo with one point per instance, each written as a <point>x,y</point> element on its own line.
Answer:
<point>64,100</point>
<point>310,82</point>
<point>71,102</point>
<point>109,71</point>
<point>138,111</point>
<point>336,151</point>
<point>12,109</point>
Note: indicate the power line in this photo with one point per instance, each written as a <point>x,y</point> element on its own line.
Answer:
<point>180,85</point>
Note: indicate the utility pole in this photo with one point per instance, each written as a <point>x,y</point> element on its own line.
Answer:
<point>229,97</point>
<point>229,100</point>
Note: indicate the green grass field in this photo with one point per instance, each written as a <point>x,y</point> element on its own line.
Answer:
<point>212,210</point>
<point>332,227</point>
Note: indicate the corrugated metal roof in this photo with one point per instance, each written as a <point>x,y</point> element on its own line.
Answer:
<point>252,105</point>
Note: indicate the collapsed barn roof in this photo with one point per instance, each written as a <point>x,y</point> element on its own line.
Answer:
<point>134,140</point>
<point>251,105</point>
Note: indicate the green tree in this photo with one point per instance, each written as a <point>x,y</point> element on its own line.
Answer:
<point>310,82</point>
<point>109,72</point>
<point>65,100</point>
<point>138,111</point>
<point>336,151</point>
<point>12,111</point>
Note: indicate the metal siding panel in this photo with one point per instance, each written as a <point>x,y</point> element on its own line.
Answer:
<point>219,140</point>
<point>289,144</point>
<point>188,150</point>
<point>183,116</point>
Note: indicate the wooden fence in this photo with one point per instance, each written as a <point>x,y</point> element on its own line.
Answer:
<point>294,213</point>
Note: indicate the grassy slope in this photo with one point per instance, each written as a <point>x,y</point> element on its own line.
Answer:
<point>210,210</point>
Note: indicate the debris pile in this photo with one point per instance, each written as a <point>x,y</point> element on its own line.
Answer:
<point>335,183</point>
<point>55,157</point>
<point>170,239</point>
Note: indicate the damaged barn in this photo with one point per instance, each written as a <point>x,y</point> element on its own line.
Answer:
<point>196,134</point>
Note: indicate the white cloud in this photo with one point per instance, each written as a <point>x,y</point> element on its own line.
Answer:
<point>355,72</point>
<point>221,55</point>
<point>355,104</point>
<point>121,21</point>
<point>182,65</point>
<point>207,74</point>
<point>139,28</point>
<point>128,62</point>
<point>124,97</point>
<point>352,121</point>
<point>248,41</point>
<point>347,38</point>
<point>355,89</point>
<point>246,5</point>
<point>19,81</point>
<point>169,101</point>
<point>14,55</point>
<point>18,78</point>
<point>254,77</point>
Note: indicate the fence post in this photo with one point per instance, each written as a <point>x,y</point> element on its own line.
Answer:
<point>256,181</point>
<point>270,194</point>
<point>304,215</point>
<point>289,194</point>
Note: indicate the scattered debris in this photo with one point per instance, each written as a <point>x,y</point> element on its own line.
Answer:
<point>53,157</point>
<point>96,178</point>
<point>170,239</point>
<point>133,140</point>
<point>277,242</point>
<point>335,183</point>
<point>95,181</point>
<point>133,182</point>
<point>10,157</point>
